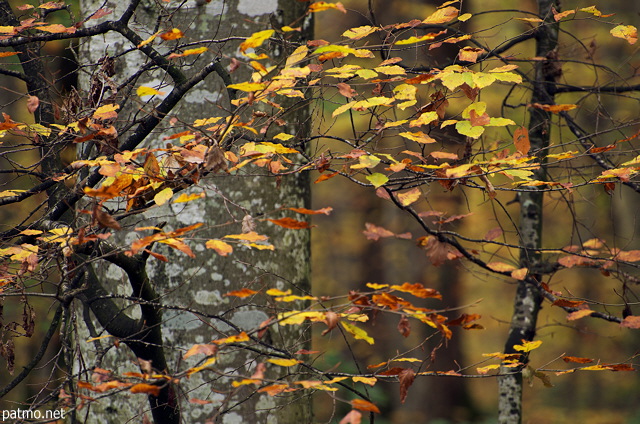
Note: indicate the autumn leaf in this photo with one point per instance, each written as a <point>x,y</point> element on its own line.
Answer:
<point>628,32</point>
<point>521,140</point>
<point>371,381</point>
<point>375,233</point>
<point>106,112</point>
<point>364,405</point>
<point>221,248</point>
<point>148,91</point>
<point>406,378</point>
<point>632,321</point>
<point>501,267</point>
<point>238,338</point>
<point>242,293</point>
<point>284,362</point>
<point>273,389</point>
<point>409,197</point>
<point>417,290</point>
<point>250,236</point>
<point>323,5</point>
<point>352,417</point>
<point>173,34</point>
<point>256,40</point>
<point>290,223</point>
<point>528,346</point>
<point>442,16</point>
<point>554,108</point>
<point>577,360</point>
<point>357,332</point>
<point>32,103</point>
<point>579,314</point>
<point>305,211</point>
<point>359,32</point>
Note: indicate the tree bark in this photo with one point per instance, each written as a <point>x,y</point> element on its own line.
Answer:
<point>528,297</point>
<point>200,283</point>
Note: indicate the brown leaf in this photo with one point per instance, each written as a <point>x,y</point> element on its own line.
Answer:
<point>32,104</point>
<point>331,319</point>
<point>493,234</point>
<point>404,327</point>
<point>375,233</point>
<point>104,219</point>
<point>346,90</point>
<point>563,303</point>
<point>406,377</point>
<point>579,314</point>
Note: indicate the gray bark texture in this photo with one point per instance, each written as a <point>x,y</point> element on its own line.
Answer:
<point>528,297</point>
<point>185,302</point>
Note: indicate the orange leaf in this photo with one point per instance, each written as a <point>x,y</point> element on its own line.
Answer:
<point>245,292</point>
<point>442,16</point>
<point>364,405</point>
<point>149,389</point>
<point>577,359</point>
<point>408,197</point>
<point>579,314</point>
<point>521,140</point>
<point>554,108</point>
<point>204,349</point>
<point>305,211</point>
<point>632,321</point>
<point>221,248</point>
<point>274,389</point>
<point>563,303</point>
<point>501,267</point>
<point>418,290</point>
<point>174,34</point>
<point>290,223</point>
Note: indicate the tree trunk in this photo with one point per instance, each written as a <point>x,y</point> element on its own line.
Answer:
<point>184,285</point>
<point>528,297</point>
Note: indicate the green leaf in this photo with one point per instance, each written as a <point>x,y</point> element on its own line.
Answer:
<point>465,128</point>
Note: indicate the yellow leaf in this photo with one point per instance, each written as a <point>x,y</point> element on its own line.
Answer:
<point>106,112</point>
<point>484,370</point>
<point>377,179</point>
<point>242,337</point>
<point>208,362</point>
<point>284,362</point>
<point>390,70</point>
<point>283,137</point>
<point>465,17</point>
<point>528,346</point>
<point>297,56</point>
<point>371,381</point>
<point>409,197</point>
<point>442,16</point>
<point>465,128</point>
<point>419,137</point>
<point>183,198</point>
<point>628,32</point>
<point>413,39</point>
<point>366,161</point>
<point>359,32</point>
<point>149,40</point>
<point>256,39</point>
<point>221,248</point>
<point>245,381</point>
<point>148,91</point>
<point>323,5</point>
<point>163,196</point>
<point>424,119</point>
<point>356,332</point>
<point>362,53</point>
<point>250,236</point>
<point>248,86</point>
<point>376,286</point>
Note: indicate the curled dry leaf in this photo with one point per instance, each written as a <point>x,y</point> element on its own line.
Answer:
<point>406,378</point>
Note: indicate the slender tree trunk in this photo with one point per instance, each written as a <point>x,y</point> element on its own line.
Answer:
<point>528,297</point>
<point>200,283</point>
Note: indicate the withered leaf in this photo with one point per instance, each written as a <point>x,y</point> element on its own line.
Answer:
<point>406,378</point>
